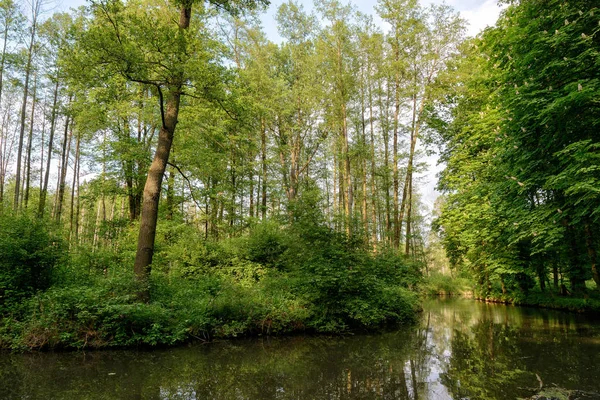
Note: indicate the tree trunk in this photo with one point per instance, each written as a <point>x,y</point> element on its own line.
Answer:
<point>44,191</point>
<point>349,196</point>
<point>263,150</point>
<point>23,113</point>
<point>575,269</point>
<point>75,179</point>
<point>30,144</point>
<point>2,137</point>
<point>591,249</point>
<point>170,195</point>
<point>373,188</point>
<point>408,217</point>
<point>66,148</point>
<point>152,188</point>
<point>407,192</point>
<point>397,218</point>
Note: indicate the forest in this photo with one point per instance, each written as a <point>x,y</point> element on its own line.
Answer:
<point>169,174</point>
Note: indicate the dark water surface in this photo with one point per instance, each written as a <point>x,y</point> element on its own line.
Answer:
<point>460,349</point>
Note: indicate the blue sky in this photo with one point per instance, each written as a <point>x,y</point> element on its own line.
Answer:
<point>479,13</point>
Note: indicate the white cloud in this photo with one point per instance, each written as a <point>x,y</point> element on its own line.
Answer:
<point>481,16</point>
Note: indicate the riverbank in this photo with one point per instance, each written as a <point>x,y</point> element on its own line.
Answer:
<point>443,285</point>
<point>275,280</point>
<point>590,303</point>
<point>454,337</point>
<point>107,314</point>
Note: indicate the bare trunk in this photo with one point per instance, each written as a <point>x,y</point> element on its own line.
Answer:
<point>44,191</point>
<point>66,148</point>
<point>373,188</point>
<point>408,218</point>
<point>2,137</point>
<point>349,196</point>
<point>170,194</point>
<point>263,146</point>
<point>3,58</point>
<point>17,198</point>
<point>591,249</point>
<point>397,218</point>
<point>335,188</point>
<point>30,144</point>
<point>73,187</point>
<point>364,212</point>
<point>152,189</point>
<point>251,205</point>
<point>78,200</point>
<point>407,192</point>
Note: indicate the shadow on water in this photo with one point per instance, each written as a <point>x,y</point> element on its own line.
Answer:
<point>460,349</point>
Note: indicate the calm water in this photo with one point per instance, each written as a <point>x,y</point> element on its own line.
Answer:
<point>460,349</point>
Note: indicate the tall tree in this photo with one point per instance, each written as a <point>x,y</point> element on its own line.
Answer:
<point>144,45</point>
<point>36,9</point>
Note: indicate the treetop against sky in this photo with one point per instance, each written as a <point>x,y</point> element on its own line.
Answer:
<point>478,13</point>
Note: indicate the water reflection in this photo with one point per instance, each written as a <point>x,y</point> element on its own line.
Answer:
<point>461,349</point>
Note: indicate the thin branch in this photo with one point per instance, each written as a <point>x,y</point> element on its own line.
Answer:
<point>219,102</point>
<point>188,182</point>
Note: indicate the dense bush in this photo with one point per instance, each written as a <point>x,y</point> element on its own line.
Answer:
<point>29,253</point>
<point>276,279</point>
<point>440,284</point>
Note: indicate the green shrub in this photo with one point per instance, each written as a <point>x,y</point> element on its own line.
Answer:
<point>266,245</point>
<point>441,284</point>
<point>29,253</point>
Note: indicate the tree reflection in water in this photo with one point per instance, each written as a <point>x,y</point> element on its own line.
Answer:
<point>460,349</point>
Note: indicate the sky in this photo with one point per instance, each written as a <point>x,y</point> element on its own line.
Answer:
<point>477,13</point>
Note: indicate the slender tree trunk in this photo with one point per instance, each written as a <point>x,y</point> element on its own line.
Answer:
<point>66,148</point>
<point>363,164</point>
<point>17,198</point>
<point>373,187</point>
<point>2,135</point>
<point>30,144</point>
<point>170,201</point>
<point>251,205</point>
<point>43,138</point>
<point>75,179</point>
<point>3,57</point>
<point>386,161</point>
<point>591,249</point>
<point>263,150</point>
<point>407,192</point>
<point>397,219</point>
<point>233,177</point>
<point>44,191</point>
<point>78,212</point>
<point>335,183</point>
<point>408,219</point>
<point>349,196</point>
<point>575,270</point>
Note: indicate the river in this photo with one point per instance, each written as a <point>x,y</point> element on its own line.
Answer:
<point>459,349</point>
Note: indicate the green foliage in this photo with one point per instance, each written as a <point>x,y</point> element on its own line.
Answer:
<point>29,253</point>
<point>277,279</point>
<point>441,284</point>
<point>266,244</point>
<point>520,150</point>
